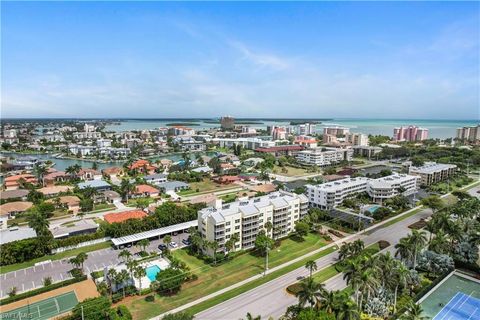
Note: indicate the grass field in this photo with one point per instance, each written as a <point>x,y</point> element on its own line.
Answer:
<point>291,171</point>
<point>205,186</point>
<point>211,279</point>
<point>58,256</point>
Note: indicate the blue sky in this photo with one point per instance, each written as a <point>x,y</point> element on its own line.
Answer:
<point>152,59</point>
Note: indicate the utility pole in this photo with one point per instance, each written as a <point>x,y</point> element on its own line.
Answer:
<point>82,313</point>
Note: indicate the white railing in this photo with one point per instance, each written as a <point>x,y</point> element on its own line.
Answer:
<point>82,244</point>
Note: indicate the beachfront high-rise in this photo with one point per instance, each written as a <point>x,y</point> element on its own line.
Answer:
<point>470,134</point>
<point>410,133</point>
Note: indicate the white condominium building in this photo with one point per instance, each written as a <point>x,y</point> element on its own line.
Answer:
<point>390,186</point>
<point>432,172</point>
<point>471,134</point>
<point>357,139</point>
<point>324,156</point>
<point>246,143</point>
<point>332,194</point>
<point>247,217</point>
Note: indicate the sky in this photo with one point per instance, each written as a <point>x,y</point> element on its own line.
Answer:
<point>417,60</point>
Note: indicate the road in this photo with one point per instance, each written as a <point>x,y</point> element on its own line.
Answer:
<point>32,277</point>
<point>271,299</point>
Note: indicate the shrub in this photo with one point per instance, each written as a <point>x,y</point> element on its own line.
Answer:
<point>382,244</point>
<point>150,298</point>
<point>47,281</point>
<point>294,288</point>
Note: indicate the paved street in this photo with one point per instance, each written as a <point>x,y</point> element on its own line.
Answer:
<point>30,278</point>
<point>271,299</point>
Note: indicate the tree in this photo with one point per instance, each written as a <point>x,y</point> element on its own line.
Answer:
<point>418,240</point>
<point>126,188</point>
<point>310,292</point>
<point>142,203</point>
<point>433,202</point>
<point>92,309</point>
<point>39,223</point>
<point>86,205</point>
<point>301,228</point>
<point>125,255</point>
<point>45,208</point>
<point>139,272</point>
<point>94,165</point>
<point>47,281</point>
<point>311,266</point>
<point>251,317</point>
<point>263,243</point>
<point>82,257</point>
<point>178,316</point>
<point>143,244</point>
<point>434,263</point>
<point>167,239</point>
<point>39,171</point>
<point>414,312</point>
<point>418,161</point>
<point>122,277</point>
<point>170,280</point>
<point>214,246</point>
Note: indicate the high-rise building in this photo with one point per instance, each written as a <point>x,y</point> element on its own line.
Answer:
<point>356,139</point>
<point>470,134</point>
<point>410,133</point>
<point>336,131</point>
<point>306,129</point>
<point>279,133</point>
<point>247,217</point>
<point>227,122</point>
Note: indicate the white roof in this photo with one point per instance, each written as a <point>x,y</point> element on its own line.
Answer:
<point>431,167</point>
<point>154,233</point>
<point>340,184</point>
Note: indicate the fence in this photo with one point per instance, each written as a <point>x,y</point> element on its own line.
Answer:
<point>80,245</point>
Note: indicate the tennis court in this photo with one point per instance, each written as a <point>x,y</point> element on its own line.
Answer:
<point>44,309</point>
<point>460,307</point>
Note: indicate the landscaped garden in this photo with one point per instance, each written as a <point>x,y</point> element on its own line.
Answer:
<point>213,278</point>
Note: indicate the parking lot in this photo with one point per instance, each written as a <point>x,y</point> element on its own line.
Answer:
<point>32,277</point>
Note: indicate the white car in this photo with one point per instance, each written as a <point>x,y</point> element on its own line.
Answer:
<point>173,244</point>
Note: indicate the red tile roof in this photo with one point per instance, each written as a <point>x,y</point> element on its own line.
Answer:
<point>124,216</point>
<point>145,188</point>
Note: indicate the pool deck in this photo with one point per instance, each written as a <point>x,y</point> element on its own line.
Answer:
<point>160,262</point>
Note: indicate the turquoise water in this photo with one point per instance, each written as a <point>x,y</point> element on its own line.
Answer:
<point>152,272</point>
<point>62,164</point>
<point>373,208</point>
<point>437,128</point>
<point>435,302</point>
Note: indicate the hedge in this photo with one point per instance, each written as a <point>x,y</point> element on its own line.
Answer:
<point>32,293</point>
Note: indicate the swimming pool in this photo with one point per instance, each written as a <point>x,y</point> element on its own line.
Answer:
<point>152,272</point>
<point>454,286</point>
<point>373,208</point>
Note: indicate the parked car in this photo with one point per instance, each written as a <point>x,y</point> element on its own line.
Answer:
<point>162,247</point>
<point>173,244</point>
<point>186,242</point>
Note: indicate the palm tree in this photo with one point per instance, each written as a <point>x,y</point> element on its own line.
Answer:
<point>122,277</point>
<point>439,243</point>
<point>131,265</point>
<point>268,226</point>
<point>368,284</point>
<point>143,244</point>
<point>311,266</point>
<point>186,161</point>
<point>139,272</point>
<point>404,250</point>
<point>250,317</point>
<point>167,239</point>
<point>82,257</point>
<point>414,312</point>
<point>328,301</point>
<point>418,240</point>
<point>351,274</point>
<point>75,262</point>
<point>40,172</point>
<point>112,277</point>
<point>125,255</point>
<point>344,252</point>
<point>39,223</point>
<point>310,291</point>
<point>73,170</point>
<point>126,188</point>
<point>214,246</point>
<point>431,227</point>
<point>401,277</point>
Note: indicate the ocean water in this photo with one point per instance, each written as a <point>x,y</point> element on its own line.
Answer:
<point>437,128</point>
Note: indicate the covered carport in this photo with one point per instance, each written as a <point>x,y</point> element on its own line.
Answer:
<point>156,233</point>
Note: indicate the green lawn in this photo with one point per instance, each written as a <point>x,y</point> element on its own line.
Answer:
<point>58,256</point>
<point>205,186</point>
<point>291,171</point>
<point>133,202</point>
<point>211,279</point>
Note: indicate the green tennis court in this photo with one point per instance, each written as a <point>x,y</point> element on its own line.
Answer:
<point>44,309</point>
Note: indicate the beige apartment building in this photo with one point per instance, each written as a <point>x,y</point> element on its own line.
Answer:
<point>432,172</point>
<point>247,217</point>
